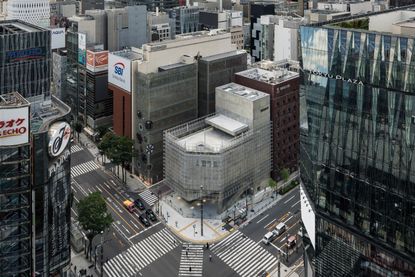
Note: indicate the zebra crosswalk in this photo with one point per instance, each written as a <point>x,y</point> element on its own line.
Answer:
<point>191,261</point>
<point>148,197</point>
<point>76,148</point>
<point>83,168</point>
<point>244,255</point>
<point>140,255</point>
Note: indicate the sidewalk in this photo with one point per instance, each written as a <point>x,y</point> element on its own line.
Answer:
<point>133,183</point>
<point>79,262</point>
<point>185,220</point>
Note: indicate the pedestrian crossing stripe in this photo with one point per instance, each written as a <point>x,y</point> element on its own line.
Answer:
<point>76,148</point>
<point>140,255</point>
<point>191,261</point>
<point>83,168</point>
<point>243,255</point>
<point>148,197</point>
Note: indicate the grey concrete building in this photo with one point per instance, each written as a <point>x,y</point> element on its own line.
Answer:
<point>221,156</point>
<point>91,5</point>
<point>214,71</point>
<point>126,27</point>
<point>186,19</point>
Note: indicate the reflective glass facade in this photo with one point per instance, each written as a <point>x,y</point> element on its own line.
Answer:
<point>357,149</point>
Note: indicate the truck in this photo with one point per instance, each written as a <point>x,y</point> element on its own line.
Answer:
<point>129,206</point>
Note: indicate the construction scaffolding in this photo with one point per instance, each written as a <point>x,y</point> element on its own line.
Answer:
<point>201,161</point>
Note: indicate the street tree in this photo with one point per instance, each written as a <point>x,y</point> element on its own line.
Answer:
<point>285,174</point>
<point>273,185</point>
<point>106,144</point>
<point>77,126</point>
<point>93,216</point>
<point>123,153</point>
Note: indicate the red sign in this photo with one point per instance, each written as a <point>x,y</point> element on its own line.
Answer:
<point>97,61</point>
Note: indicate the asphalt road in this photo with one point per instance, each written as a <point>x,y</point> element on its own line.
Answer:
<point>127,230</point>
<point>88,177</point>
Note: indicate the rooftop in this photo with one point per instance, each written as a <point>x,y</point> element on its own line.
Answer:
<point>11,27</point>
<point>273,76</point>
<point>13,99</point>
<point>226,124</point>
<point>208,140</point>
<point>243,91</point>
<point>130,54</point>
<point>41,118</point>
<point>222,55</point>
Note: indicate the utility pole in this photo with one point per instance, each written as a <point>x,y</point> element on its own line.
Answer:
<point>201,210</point>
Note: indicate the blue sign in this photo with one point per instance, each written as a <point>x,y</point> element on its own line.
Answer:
<point>25,54</point>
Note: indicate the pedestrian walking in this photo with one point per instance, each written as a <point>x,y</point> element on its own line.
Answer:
<point>190,268</point>
<point>207,245</point>
<point>187,253</point>
<point>210,258</point>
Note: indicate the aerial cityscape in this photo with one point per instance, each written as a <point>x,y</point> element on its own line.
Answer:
<point>207,138</point>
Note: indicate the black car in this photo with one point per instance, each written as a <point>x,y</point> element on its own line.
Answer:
<point>151,215</point>
<point>144,220</point>
<point>139,204</point>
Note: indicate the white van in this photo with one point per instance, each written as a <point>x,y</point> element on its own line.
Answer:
<point>280,228</point>
<point>268,237</point>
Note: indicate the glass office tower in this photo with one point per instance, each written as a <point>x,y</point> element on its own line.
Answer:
<point>358,145</point>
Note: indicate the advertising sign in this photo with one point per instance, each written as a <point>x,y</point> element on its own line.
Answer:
<point>81,48</point>
<point>25,54</point>
<point>14,126</point>
<point>119,71</point>
<point>59,136</point>
<point>57,38</point>
<point>97,61</point>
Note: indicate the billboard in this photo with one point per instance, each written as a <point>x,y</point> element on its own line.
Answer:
<point>57,38</point>
<point>97,61</point>
<point>119,71</point>
<point>14,126</point>
<point>81,48</point>
<point>59,136</point>
<point>25,54</point>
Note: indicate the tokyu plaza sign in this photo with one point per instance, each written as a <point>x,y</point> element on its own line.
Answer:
<point>332,76</point>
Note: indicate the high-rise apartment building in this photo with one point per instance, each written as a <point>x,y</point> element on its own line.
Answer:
<point>34,157</point>
<point>283,87</point>
<point>36,12</point>
<point>357,142</point>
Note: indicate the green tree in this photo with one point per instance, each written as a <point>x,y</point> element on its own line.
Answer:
<point>106,144</point>
<point>285,174</point>
<point>102,130</point>
<point>93,216</point>
<point>77,126</point>
<point>273,185</point>
<point>122,153</point>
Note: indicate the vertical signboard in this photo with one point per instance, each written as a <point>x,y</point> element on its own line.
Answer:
<point>57,38</point>
<point>82,48</point>
<point>14,126</point>
<point>119,71</point>
<point>97,61</point>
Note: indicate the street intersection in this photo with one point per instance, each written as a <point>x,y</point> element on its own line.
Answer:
<point>131,249</point>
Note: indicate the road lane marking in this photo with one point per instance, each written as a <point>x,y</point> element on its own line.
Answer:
<point>142,231</point>
<point>262,218</point>
<point>74,212</point>
<point>266,226</point>
<point>289,199</point>
<point>121,217</point>
<point>295,203</point>
<point>76,199</point>
<point>116,201</point>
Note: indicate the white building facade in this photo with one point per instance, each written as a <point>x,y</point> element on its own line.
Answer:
<point>36,12</point>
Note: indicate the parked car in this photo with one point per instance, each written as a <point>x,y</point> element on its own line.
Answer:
<point>144,220</point>
<point>151,215</point>
<point>139,204</point>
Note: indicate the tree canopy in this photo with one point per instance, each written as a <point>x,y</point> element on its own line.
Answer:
<point>93,214</point>
<point>285,174</point>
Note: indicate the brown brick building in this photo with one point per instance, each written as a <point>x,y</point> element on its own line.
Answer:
<point>122,111</point>
<point>283,88</point>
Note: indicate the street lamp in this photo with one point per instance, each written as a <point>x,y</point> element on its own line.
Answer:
<point>201,210</point>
